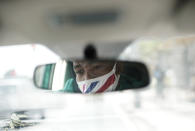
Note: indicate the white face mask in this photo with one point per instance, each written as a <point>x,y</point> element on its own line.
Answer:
<point>105,83</point>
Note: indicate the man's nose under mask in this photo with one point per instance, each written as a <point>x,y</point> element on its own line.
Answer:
<point>105,83</point>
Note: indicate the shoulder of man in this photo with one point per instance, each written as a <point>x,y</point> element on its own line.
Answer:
<point>71,86</point>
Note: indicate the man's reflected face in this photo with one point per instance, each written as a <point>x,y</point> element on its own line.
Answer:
<point>86,70</point>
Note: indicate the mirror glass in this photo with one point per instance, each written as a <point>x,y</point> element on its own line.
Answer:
<point>91,76</point>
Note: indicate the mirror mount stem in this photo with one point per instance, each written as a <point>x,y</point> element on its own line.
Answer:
<point>90,52</point>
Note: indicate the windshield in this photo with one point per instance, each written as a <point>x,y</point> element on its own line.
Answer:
<point>16,73</point>
<point>170,63</point>
<point>169,97</point>
<point>20,60</point>
<point>45,86</point>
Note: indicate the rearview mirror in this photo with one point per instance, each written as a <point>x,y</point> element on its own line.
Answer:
<point>91,76</point>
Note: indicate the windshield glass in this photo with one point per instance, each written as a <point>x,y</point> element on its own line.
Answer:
<point>20,60</point>
<point>169,97</point>
<point>170,63</point>
<point>16,72</point>
<point>38,88</point>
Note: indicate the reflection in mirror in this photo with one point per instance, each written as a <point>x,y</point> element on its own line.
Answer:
<point>84,76</point>
<point>43,76</point>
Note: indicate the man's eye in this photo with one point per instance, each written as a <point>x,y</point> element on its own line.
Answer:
<point>79,72</point>
<point>97,67</point>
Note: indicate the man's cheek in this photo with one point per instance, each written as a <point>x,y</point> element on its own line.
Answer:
<point>77,78</point>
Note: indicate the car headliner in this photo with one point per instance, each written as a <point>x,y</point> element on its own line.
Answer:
<point>31,21</point>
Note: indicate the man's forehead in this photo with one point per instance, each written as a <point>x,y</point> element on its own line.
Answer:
<point>84,63</point>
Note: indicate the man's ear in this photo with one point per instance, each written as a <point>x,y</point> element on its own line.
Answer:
<point>118,68</point>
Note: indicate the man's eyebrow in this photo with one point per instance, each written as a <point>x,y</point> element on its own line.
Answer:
<point>77,66</point>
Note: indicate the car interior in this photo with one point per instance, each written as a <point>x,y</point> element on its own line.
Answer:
<point>97,65</point>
